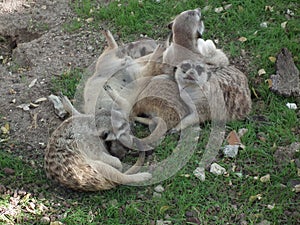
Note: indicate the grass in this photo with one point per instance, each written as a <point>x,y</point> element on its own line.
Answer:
<point>219,199</point>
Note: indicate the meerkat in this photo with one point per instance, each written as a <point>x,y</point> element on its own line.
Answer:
<point>116,63</point>
<point>121,112</point>
<point>77,156</point>
<point>174,100</point>
<point>187,29</point>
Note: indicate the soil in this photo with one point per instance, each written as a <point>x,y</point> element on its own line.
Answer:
<point>35,45</point>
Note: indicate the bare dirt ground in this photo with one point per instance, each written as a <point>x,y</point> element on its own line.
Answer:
<point>35,47</point>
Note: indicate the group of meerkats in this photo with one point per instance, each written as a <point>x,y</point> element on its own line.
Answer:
<point>168,87</point>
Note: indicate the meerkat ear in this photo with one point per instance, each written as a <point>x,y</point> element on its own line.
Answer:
<point>170,25</point>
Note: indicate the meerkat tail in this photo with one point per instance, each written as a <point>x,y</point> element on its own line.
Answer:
<point>142,120</point>
<point>110,39</point>
<point>68,105</point>
<point>138,164</point>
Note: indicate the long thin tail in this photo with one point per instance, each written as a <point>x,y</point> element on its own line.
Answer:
<point>153,138</point>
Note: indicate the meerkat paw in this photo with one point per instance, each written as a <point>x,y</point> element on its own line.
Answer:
<point>141,177</point>
<point>158,53</point>
<point>206,48</point>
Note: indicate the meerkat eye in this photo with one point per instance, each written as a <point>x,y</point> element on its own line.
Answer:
<point>185,67</point>
<point>105,134</point>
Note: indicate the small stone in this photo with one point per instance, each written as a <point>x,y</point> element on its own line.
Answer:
<point>283,25</point>
<point>264,222</point>
<point>291,105</point>
<point>199,172</point>
<point>45,220</point>
<point>163,222</point>
<point>56,223</point>
<point>8,171</point>
<point>219,9</point>
<point>264,25</point>
<point>297,188</point>
<point>231,151</point>
<point>156,195</point>
<point>217,169</point>
<point>242,132</point>
<point>265,178</point>
<point>159,189</point>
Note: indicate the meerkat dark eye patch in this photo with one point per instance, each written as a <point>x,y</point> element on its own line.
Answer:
<point>199,69</point>
<point>185,67</point>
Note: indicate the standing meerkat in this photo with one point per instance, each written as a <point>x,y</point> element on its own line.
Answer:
<point>187,29</point>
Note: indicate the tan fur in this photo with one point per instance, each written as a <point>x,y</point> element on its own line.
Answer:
<point>77,158</point>
<point>168,104</point>
<point>187,28</point>
<point>117,65</point>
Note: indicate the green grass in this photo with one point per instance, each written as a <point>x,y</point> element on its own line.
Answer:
<point>219,199</point>
<point>67,82</point>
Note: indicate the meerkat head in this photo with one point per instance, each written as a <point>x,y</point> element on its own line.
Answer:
<point>188,23</point>
<point>190,73</point>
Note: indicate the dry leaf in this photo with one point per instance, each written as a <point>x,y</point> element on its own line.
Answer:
<point>228,6</point>
<point>269,81</point>
<point>233,138</point>
<point>272,59</point>
<point>261,72</point>
<point>269,8</point>
<point>271,206</point>
<point>253,198</point>
<point>40,100</point>
<point>32,83</point>
<point>242,39</point>
<point>164,208</point>
<point>254,92</point>
<point>5,129</point>
<point>89,20</point>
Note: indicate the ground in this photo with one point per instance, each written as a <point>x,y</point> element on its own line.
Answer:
<point>36,48</point>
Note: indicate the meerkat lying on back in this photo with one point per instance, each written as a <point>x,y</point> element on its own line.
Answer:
<point>116,63</point>
<point>187,29</point>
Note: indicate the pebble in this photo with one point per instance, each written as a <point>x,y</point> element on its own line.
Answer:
<point>159,189</point>
<point>156,195</point>
<point>265,178</point>
<point>199,172</point>
<point>163,222</point>
<point>45,220</point>
<point>264,24</point>
<point>217,169</point>
<point>231,150</point>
